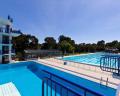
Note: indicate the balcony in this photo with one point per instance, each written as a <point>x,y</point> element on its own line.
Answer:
<point>5,59</point>
<point>5,52</point>
<point>13,51</point>
<point>5,42</point>
<point>0,52</point>
<point>14,33</point>
<point>4,30</point>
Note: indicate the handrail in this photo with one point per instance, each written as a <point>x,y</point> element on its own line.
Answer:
<point>101,81</point>
<point>78,65</point>
<point>107,82</point>
<point>85,89</point>
<point>110,63</point>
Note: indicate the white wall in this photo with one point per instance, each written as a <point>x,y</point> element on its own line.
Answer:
<point>0,58</point>
<point>0,53</point>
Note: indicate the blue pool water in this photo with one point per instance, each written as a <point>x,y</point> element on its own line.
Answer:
<point>92,59</point>
<point>28,76</point>
<point>26,82</point>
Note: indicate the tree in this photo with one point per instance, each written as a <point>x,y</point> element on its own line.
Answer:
<point>71,48</point>
<point>66,47</point>
<point>113,44</point>
<point>66,44</point>
<point>68,39</point>
<point>101,45</point>
<point>82,47</point>
<point>50,43</point>
<point>24,42</point>
<point>102,42</point>
<point>118,46</point>
<point>33,42</point>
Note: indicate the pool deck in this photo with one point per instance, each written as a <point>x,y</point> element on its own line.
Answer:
<point>89,72</point>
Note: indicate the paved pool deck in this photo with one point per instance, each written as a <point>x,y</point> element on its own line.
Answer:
<point>89,72</point>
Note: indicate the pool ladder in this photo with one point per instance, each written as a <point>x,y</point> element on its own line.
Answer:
<point>101,80</point>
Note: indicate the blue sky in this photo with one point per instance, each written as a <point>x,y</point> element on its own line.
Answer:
<point>83,20</point>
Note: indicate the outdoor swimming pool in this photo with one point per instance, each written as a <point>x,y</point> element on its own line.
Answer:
<point>28,78</point>
<point>92,59</point>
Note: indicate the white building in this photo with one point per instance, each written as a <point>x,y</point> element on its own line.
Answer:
<point>6,35</point>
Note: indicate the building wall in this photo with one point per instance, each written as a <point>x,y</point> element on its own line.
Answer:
<point>6,30</point>
<point>5,26</point>
<point>0,38</point>
<point>0,58</point>
<point>0,48</point>
<point>0,53</point>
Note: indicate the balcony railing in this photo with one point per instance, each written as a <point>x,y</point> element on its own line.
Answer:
<point>5,42</point>
<point>3,30</point>
<point>5,52</point>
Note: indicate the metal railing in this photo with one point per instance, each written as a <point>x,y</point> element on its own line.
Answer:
<point>2,30</point>
<point>87,67</point>
<point>110,63</point>
<point>50,88</point>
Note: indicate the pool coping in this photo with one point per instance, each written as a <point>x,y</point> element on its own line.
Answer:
<point>76,69</point>
<point>68,71</point>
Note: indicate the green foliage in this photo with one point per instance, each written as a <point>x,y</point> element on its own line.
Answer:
<point>50,43</point>
<point>64,38</point>
<point>101,45</point>
<point>113,44</point>
<point>66,44</point>
<point>24,42</point>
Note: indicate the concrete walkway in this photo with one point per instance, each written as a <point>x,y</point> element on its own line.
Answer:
<point>89,72</point>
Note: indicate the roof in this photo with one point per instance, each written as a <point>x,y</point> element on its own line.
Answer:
<point>41,51</point>
<point>16,31</point>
